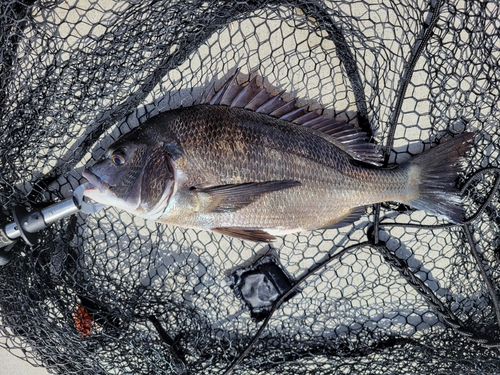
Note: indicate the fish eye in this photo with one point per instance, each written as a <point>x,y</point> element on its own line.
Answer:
<point>118,157</point>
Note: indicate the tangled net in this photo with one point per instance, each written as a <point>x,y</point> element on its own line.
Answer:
<point>397,292</point>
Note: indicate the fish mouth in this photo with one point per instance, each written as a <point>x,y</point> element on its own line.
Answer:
<point>95,181</point>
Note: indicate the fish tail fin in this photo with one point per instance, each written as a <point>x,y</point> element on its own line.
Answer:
<point>433,175</point>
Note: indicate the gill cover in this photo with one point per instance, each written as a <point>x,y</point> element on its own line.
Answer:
<point>157,178</point>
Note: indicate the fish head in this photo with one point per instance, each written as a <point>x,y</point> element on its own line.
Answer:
<point>135,174</point>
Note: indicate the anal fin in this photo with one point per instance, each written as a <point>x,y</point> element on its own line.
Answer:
<point>351,217</point>
<point>256,235</point>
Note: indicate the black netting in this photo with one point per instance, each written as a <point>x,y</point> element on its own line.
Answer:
<point>399,292</point>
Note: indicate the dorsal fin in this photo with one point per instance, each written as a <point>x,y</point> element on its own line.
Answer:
<point>251,96</point>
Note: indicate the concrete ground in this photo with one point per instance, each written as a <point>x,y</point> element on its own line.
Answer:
<point>11,365</point>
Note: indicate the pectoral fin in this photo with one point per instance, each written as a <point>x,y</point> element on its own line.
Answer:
<point>256,235</point>
<point>230,198</point>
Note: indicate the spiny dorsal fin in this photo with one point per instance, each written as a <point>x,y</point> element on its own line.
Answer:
<point>251,96</point>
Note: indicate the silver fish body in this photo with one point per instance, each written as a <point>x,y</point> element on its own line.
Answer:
<point>248,174</point>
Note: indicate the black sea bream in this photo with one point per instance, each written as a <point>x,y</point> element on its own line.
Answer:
<point>250,165</point>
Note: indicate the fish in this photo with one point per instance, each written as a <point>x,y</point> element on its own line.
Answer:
<point>247,163</point>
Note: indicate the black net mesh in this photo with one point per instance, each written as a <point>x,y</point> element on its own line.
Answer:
<point>398,292</point>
